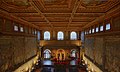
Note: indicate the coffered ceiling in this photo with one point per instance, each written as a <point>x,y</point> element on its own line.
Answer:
<point>58,14</point>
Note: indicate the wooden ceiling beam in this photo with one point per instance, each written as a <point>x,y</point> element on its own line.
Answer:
<point>26,14</point>
<point>45,14</point>
<point>77,25</point>
<point>77,3</point>
<point>57,13</point>
<point>70,2</point>
<point>77,13</point>
<point>61,28</point>
<point>39,22</point>
<point>42,3</point>
<point>59,23</point>
<point>32,3</point>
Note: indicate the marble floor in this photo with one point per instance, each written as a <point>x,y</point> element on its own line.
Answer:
<point>49,66</point>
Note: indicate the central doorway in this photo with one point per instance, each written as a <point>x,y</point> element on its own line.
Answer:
<point>60,54</point>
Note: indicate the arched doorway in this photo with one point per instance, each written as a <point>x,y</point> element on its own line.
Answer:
<point>47,54</point>
<point>74,53</point>
<point>60,54</point>
<point>74,57</point>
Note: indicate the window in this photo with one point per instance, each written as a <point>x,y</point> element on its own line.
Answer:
<point>96,29</point>
<point>60,35</point>
<point>108,26</point>
<point>73,53</point>
<point>47,35</point>
<point>21,29</point>
<point>101,28</point>
<point>35,32</point>
<point>93,30</point>
<point>85,32</point>
<point>15,28</point>
<point>73,36</point>
<point>90,31</point>
<point>38,35</point>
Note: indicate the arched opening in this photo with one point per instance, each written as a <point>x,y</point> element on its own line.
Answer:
<point>60,35</point>
<point>73,53</point>
<point>74,57</point>
<point>46,35</point>
<point>73,36</point>
<point>47,54</point>
<point>60,54</point>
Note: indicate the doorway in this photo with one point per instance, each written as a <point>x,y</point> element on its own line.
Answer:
<point>60,54</point>
<point>47,54</point>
